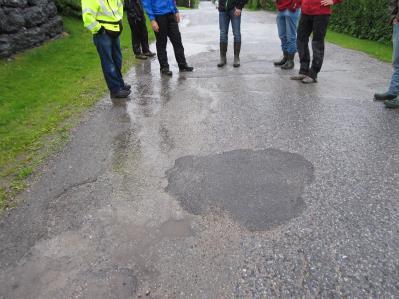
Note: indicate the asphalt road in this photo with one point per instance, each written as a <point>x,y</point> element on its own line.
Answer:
<point>221,183</point>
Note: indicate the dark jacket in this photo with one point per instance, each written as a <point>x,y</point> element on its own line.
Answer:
<point>393,9</point>
<point>226,5</point>
<point>134,9</point>
<point>314,7</point>
<point>288,4</point>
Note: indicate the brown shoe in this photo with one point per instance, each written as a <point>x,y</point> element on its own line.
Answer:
<point>309,80</point>
<point>299,77</point>
<point>141,56</point>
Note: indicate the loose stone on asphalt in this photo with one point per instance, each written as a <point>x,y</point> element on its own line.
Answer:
<point>221,183</point>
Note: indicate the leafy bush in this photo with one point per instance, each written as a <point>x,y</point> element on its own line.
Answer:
<point>69,8</point>
<point>366,19</point>
<point>188,3</point>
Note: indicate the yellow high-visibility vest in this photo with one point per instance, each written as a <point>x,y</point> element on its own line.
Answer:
<point>105,13</point>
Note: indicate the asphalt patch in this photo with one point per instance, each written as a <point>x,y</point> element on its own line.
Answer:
<point>260,189</point>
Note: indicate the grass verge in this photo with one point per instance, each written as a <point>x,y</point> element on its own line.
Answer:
<point>375,49</point>
<point>42,93</point>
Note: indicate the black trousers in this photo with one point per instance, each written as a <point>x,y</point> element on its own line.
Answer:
<point>318,26</point>
<point>139,32</point>
<point>168,27</point>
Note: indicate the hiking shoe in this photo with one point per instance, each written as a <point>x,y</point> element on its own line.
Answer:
<point>392,103</point>
<point>150,54</point>
<point>288,65</point>
<point>308,80</point>
<point>141,56</point>
<point>384,96</point>
<point>186,68</point>
<point>282,61</point>
<point>165,71</point>
<point>127,87</point>
<point>121,94</point>
<point>299,77</point>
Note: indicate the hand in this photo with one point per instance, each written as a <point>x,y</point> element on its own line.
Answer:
<point>154,26</point>
<point>237,12</point>
<point>327,2</point>
<point>178,18</point>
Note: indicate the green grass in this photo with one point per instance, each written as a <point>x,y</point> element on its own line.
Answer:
<point>42,93</point>
<point>375,49</point>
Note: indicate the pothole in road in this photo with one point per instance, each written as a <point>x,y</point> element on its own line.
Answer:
<point>260,189</point>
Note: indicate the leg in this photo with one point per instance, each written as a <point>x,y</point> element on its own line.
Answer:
<point>281,28</point>
<point>135,35</point>
<point>320,25</point>
<point>111,72</point>
<point>175,38</point>
<point>394,86</point>
<point>236,25</point>
<point>223,39</point>
<point>143,36</point>
<point>304,31</point>
<point>291,24</point>
<point>117,57</point>
<point>224,22</point>
<point>162,39</point>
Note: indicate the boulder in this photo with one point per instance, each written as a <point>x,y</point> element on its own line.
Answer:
<point>51,10</point>
<point>34,16</point>
<point>5,46</point>
<point>28,38</point>
<point>12,20</point>
<point>14,3</point>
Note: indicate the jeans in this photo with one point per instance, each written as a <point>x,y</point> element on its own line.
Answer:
<point>308,24</point>
<point>168,27</point>
<point>111,60</point>
<point>224,20</point>
<point>139,32</point>
<point>394,86</point>
<point>287,22</point>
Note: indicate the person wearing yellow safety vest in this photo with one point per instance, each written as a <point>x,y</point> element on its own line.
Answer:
<point>104,19</point>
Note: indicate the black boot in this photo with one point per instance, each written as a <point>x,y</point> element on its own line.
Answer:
<point>237,49</point>
<point>289,64</point>
<point>282,61</point>
<point>385,96</point>
<point>223,51</point>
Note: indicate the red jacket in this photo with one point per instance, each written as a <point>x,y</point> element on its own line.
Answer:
<point>288,4</point>
<point>314,7</point>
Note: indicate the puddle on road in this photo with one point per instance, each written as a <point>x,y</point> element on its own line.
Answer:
<point>175,229</point>
<point>260,189</point>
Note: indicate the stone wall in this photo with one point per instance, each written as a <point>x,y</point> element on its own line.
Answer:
<point>27,23</point>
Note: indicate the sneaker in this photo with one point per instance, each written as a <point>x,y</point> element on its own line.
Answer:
<point>299,77</point>
<point>121,94</point>
<point>384,96</point>
<point>308,80</point>
<point>392,103</point>
<point>165,71</point>
<point>141,56</point>
<point>150,54</point>
<point>186,68</point>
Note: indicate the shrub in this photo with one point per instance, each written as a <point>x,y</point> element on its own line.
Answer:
<point>71,8</point>
<point>188,3</point>
<point>366,19</point>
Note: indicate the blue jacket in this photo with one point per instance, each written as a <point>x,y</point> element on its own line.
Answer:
<point>155,8</point>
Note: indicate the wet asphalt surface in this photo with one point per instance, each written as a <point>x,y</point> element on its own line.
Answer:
<point>221,183</point>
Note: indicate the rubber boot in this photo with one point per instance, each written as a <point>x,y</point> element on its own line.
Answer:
<point>237,49</point>
<point>282,61</point>
<point>289,64</point>
<point>223,51</point>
